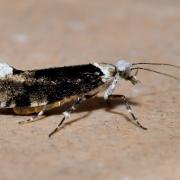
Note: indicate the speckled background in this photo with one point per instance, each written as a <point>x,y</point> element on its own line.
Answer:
<point>98,142</point>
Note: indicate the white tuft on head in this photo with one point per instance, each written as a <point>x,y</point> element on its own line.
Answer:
<point>123,65</point>
<point>5,70</point>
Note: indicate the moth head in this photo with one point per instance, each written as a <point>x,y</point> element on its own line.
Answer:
<point>125,71</point>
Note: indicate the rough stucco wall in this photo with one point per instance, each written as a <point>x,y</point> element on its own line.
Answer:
<point>101,142</point>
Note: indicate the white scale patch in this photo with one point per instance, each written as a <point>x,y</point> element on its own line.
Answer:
<point>123,65</point>
<point>105,70</point>
<point>3,104</point>
<point>5,70</point>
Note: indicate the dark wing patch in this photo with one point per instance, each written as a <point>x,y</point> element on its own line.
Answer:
<point>66,81</point>
<point>67,72</point>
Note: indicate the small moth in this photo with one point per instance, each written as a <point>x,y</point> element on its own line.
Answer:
<point>37,91</point>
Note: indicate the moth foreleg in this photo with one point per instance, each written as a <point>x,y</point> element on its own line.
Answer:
<point>111,88</point>
<point>129,109</point>
<point>68,113</point>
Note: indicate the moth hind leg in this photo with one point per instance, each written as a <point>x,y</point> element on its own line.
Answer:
<point>41,110</point>
<point>67,113</point>
<point>33,118</point>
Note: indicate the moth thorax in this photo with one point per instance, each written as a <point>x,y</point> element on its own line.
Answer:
<point>108,70</point>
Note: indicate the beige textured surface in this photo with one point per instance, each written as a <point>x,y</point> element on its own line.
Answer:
<point>100,143</point>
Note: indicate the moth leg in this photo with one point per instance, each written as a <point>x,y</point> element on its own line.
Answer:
<point>68,113</point>
<point>129,109</point>
<point>111,89</point>
<point>33,118</point>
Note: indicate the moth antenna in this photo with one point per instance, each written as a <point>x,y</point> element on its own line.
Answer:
<point>158,64</point>
<point>157,72</point>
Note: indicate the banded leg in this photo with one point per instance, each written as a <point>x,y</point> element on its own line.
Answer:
<point>33,118</point>
<point>111,88</point>
<point>67,114</point>
<point>129,109</point>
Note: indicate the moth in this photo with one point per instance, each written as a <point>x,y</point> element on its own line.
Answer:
<point>37,91</point>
